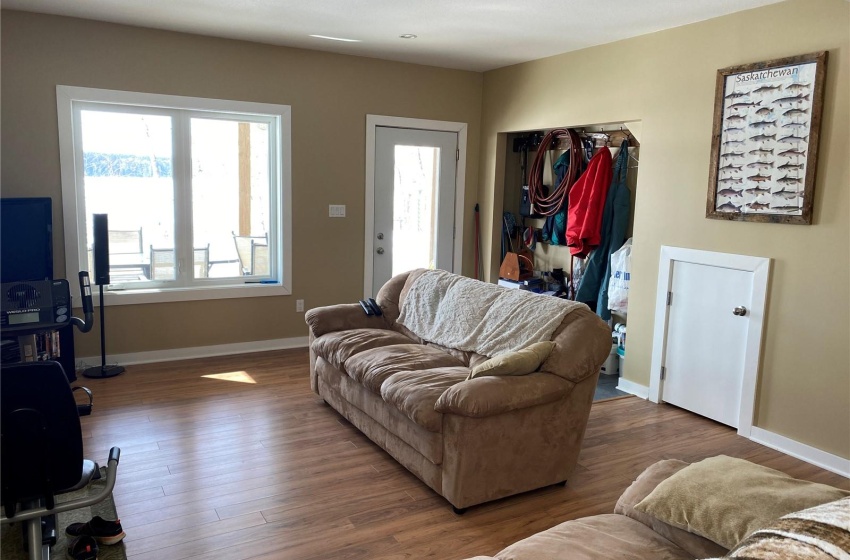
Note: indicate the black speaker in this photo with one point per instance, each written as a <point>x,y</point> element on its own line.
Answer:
<point>100,228</point>
<point>101,249</point>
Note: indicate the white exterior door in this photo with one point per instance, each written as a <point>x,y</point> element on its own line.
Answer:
<point>708,322</point>
<point>414,201</point>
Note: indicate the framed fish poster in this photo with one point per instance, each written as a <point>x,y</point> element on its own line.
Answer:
<point>764,147</point>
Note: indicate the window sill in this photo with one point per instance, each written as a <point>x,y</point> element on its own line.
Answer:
<point>161,295</point>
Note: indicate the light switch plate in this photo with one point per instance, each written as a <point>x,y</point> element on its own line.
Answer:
<point>336,210</point>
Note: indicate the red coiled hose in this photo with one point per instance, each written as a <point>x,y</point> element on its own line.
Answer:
<point>549,205</point>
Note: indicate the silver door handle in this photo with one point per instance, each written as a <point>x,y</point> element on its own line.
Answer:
<point>380,250</point>
<point>740,311</point>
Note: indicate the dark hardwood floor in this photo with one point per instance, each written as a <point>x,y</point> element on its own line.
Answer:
<point>235,458</point>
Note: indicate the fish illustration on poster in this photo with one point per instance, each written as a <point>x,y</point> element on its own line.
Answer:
<point>767,120</point>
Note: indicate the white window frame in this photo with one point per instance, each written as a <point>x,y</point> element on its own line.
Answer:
<point>73,195</point>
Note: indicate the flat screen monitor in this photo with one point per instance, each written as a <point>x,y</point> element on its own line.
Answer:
<point>26,239</point>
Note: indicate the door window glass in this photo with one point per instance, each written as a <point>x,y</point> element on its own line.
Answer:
<point>415,178</point>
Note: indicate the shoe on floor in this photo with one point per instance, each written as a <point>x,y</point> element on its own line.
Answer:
<point>82,548</point>
<point>103,531</point>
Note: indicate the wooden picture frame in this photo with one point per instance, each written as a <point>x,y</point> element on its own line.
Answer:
<point>764,146</point>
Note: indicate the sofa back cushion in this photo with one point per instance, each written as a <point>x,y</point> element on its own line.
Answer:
<point>391,296</point>
<point>582,339</point>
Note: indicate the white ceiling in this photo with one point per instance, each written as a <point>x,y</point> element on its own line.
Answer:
<point>467,34</point>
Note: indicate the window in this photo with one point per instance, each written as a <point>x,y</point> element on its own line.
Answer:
<point>197,193</point>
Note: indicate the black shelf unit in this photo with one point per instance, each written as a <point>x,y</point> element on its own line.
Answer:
<point>66,355</point>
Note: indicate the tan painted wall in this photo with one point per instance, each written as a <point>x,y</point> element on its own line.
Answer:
<point>330,96</point>
<point>666,80</point>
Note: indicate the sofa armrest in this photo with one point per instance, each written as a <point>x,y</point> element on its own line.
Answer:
<point>341,317</point>
<point>583,343</point>
<point>489,395</point>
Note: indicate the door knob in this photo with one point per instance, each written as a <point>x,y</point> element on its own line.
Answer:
<point>740,311</point>
<point>380,236</point>
<point>380,250</point>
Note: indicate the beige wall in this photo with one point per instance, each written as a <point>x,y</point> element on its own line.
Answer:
<point>666,80</point>
<point>330,96</point>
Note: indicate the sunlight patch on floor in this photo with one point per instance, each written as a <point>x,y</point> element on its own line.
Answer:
<point>237,376</point>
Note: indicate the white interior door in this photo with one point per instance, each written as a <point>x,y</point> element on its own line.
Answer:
<point>414,201</point>
<point>706,344</point>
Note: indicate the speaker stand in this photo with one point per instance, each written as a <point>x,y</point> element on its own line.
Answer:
<point>102,371</point>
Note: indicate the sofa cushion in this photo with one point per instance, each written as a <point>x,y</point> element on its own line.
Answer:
<point>591,538</point>
<point>336,347</point>
<point>414,393</point>
<point>372,367</point>
<point>422,442</point>
<point>461,355</point>
<point>520,362</point>
<point>476,359</point>
<point>725,499</point>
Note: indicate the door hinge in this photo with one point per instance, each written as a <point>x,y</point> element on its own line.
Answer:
<point>669,298</point>
<point>457,154</point>
<point>663,373</point>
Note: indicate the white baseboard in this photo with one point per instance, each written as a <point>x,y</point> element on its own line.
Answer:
<point>807,453</point>
<point>198,352</point>
<point>633,388</point>
<point>801,451</point>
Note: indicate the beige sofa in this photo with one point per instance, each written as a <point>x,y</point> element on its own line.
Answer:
<point>757,522</point>
<point>471,441</point>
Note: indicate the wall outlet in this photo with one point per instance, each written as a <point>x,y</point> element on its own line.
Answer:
<point>336,210</point>
<point>299,305</point>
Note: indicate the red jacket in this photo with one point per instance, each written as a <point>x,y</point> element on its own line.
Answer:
<point>587,199</point>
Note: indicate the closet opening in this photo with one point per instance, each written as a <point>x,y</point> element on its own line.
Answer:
<point>566,207</point>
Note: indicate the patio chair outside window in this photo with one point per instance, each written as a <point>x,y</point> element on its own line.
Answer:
<point>201,261</point>
<point>253,252</point>
<point>259,259</point>
<point>163,265</point>
<point>125,242</point>
<point>126,255</point>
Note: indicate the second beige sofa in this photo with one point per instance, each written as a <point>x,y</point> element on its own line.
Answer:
<point>680,511</point>
<point>471,441</point>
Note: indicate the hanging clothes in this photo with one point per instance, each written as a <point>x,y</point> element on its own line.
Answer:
<point>615,220</point>
<point>587,147</point>
<point>555,228</point>
<point>586,202</point>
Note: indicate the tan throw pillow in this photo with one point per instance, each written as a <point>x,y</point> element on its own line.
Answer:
<point>725,499</point>
<point>520,362</point>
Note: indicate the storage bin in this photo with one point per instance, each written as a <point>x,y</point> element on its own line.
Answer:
<point>610,365</point>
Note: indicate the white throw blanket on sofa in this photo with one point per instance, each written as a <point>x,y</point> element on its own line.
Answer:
<point>471,315</point>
